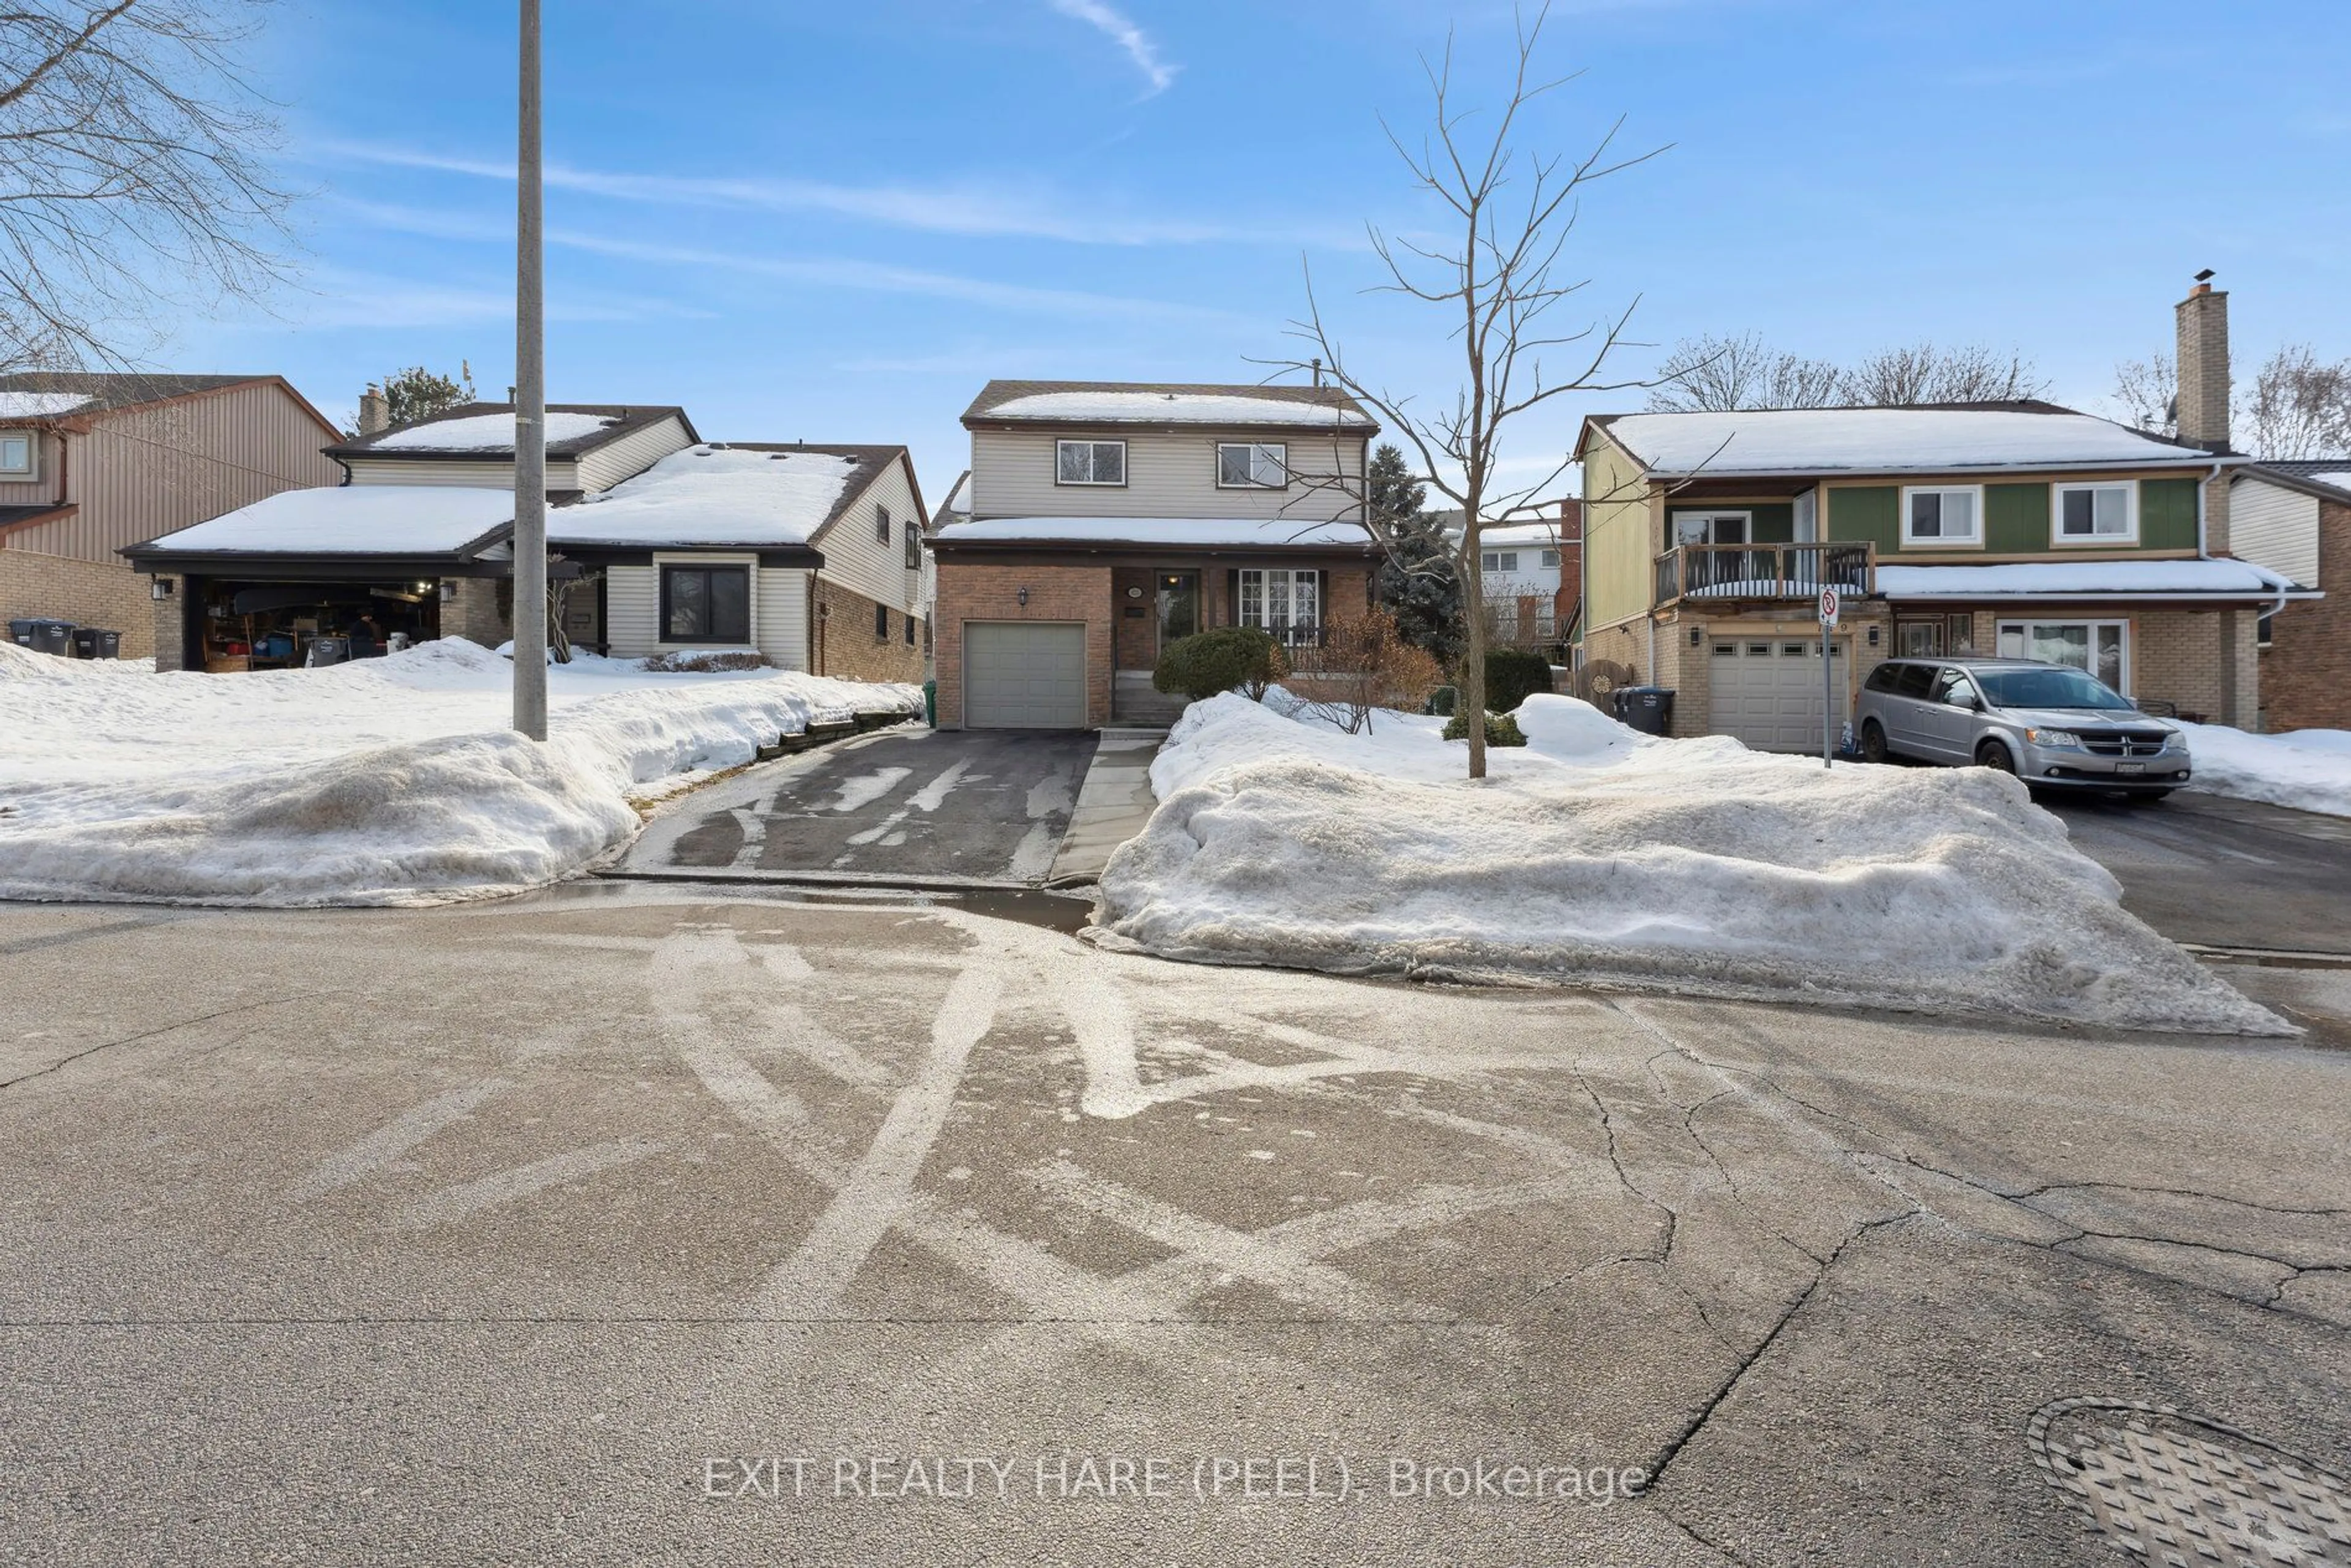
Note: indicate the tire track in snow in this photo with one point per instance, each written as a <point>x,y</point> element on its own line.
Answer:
<point>387,1144</point>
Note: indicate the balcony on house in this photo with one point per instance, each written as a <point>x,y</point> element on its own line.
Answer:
<point>1766,570</point>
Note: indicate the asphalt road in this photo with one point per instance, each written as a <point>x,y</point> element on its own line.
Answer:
<point>2221,873</point>
<point>552,1231</point>
<point>988,805</point>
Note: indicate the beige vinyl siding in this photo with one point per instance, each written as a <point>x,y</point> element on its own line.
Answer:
<point>563,473</point>
<point>862,564</point>
<point>1168,476</point>
<point>780,601</point>
<point>779,607</point>
<point>150,469</point>
<point>1618,526</point>
<point>632,455</point>
<point>2276,528</point>
<point>632,610</point>
<point>43,490</point>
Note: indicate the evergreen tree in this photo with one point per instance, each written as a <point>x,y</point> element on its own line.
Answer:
<point>417,393</point>
<point>1420,583</point>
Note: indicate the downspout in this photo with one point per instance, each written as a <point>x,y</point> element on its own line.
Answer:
<point>2203,493</point>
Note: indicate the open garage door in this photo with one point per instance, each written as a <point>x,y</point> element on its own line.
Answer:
<point>1024,674</point>
<point>1766,692</point>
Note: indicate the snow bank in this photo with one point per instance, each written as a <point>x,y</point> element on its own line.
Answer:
<point>1596,854</point>
<point>2309,769</point>
<point>390,780</point>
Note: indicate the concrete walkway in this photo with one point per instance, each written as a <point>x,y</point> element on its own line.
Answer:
<point>1113,803</point>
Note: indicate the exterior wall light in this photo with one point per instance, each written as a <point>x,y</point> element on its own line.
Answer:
<point>161,587</point>
<point>1698,636</point>
<point>1023,595</point>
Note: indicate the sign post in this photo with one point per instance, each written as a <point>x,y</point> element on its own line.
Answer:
<point>1829,608</point>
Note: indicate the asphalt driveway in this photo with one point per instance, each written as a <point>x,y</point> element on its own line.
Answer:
<point>988,805</point>
<point>2221,873</point>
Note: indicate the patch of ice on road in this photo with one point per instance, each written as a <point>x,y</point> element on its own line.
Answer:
<point>2308,770</point>
<point>868,788</point>
<point>934,794</point>
<point>1050,794</point>
<point>1596,855</point>
<point>390,780</point>
<point>1032,857</point>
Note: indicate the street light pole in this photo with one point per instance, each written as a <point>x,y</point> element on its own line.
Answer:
<point>530,405</point>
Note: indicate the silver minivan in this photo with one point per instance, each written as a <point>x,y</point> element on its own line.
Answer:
<point>2050,725</point>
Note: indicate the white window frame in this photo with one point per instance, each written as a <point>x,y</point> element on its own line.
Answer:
<point>1252,596</point>
<point>2023,630</point>
<point>1090,443</point>
<point>1258,460</point>
<point>31,471</point>
<point>1943,541</point>
<point>1497,560</point>
<point>1546,560</point>
<point>2060,539</point>
<point>1746,524</point>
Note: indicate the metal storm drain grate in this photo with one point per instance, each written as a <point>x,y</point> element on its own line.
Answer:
<point>2184,1492</point>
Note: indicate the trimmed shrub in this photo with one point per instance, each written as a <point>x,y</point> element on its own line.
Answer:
<point>685,660</point>
<point>1200,666</point>
<point>1502,729</point>
<point>1514,675</point>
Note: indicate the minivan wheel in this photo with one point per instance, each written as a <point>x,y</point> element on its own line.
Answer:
<point>1873,741</point>
<point>1991,754</point>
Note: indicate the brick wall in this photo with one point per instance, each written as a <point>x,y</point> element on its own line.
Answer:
<point>846,646</point>
<point>87,592</point>
<point>2305,672</point>
<point>2202,660</point>
<point>970,591</point>
<point>481,611</point>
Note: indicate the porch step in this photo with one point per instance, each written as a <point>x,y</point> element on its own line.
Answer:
<point>1134,701</point>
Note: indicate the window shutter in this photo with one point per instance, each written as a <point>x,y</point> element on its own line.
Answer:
<point>1232,597</point>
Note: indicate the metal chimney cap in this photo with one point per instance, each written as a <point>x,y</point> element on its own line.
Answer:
<point>2207,275</point>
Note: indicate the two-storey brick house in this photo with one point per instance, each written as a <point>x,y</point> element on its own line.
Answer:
<point>1103,520</point>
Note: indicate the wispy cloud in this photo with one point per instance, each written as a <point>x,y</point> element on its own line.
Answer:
<point>1120,29</point>
<point>978,210</point>
<point>335,298</point>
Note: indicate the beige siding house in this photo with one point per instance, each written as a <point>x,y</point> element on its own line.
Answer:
<point>91,463</point>
<point>1103,520</point>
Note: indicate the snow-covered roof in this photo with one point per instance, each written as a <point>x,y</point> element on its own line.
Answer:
<point>1170,402</point>
<point>1887,441</point>
<point>1246,533</point>
<point>2084,577</point>
<point>486,433</point>
<point>2340,478</point>
<point>717,496</point>
<point>1519,536</point>
<point>348,520</point>
<point>40,404</point>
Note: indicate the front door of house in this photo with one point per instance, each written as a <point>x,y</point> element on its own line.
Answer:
<point>1179,605</point>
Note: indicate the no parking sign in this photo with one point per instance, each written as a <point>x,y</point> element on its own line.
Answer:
<point>1829,606</point>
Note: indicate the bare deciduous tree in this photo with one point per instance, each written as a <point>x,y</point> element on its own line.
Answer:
<point>2299,406</point>
<point>1510,211</point>
<point>133,177</point>
<point>1722,374</point>
<point>2147,390</point>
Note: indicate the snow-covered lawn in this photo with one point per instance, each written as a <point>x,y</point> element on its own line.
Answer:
<point>1597,854</point>
<point>390,780</point>
<point>2309,769</point>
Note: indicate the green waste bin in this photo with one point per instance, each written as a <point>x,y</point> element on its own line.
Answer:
<point>931,704</point>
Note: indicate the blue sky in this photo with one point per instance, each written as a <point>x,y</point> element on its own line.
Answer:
<point>835,222</point>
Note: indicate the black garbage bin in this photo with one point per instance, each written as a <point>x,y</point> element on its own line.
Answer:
<point>90,642</point>
<point>43,634</point>
<point>329,651</point>
<point>1649,709</point>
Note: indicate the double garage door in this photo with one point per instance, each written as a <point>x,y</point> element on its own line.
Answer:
<point>1766,692</point>
<point>1024,674</point>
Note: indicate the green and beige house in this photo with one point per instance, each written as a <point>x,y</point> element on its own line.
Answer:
<point>2011,530</point>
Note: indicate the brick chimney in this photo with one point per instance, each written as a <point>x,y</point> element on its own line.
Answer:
<point>2203,323</point>
<point>375,409</point>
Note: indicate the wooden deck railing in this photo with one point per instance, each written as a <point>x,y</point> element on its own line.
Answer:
<point>1765,571</point>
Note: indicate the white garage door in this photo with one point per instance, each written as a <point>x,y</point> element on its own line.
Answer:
<point>1024,674</point>
<point>1766,692</point>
